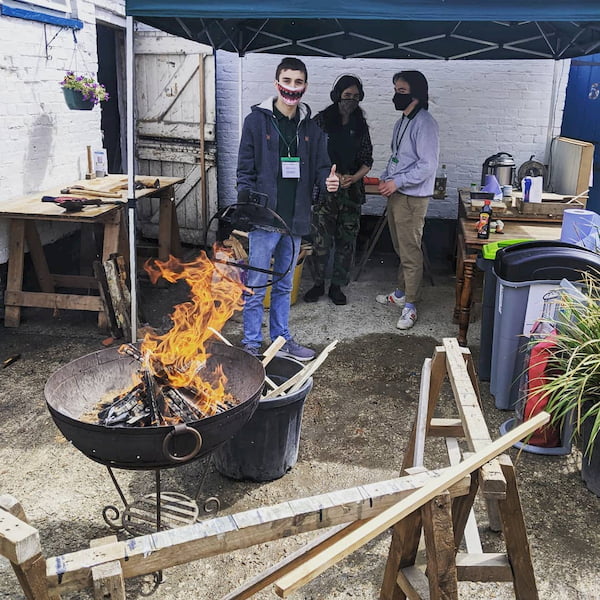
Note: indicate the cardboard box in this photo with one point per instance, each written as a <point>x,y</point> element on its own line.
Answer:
<point>570,166</point>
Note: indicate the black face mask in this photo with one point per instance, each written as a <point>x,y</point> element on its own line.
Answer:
<point>348,106</point>
<point>401,101</point>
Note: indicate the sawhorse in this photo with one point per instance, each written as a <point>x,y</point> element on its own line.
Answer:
<point>443,520</point>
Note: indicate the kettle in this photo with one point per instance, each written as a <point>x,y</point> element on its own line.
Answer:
<point>502,166</point>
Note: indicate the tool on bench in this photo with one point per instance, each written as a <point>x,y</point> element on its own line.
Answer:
<point>76,204</point>
<point>78,189</point>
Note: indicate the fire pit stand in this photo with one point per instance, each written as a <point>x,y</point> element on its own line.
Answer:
<point>160,510</point>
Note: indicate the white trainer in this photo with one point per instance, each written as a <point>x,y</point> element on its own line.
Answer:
<point>391,299</point>
<point>408,318</point>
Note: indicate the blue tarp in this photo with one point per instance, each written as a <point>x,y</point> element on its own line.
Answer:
<point>449,29</point>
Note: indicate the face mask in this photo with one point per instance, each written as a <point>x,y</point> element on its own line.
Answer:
<point>348,106</point>
<point>291,96</point>
<point>401,101</point>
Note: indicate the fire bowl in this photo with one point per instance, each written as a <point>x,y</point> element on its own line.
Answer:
<point>76,389</point>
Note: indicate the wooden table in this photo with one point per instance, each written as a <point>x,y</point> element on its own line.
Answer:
<point>469,248</point>
<point>24,213</point>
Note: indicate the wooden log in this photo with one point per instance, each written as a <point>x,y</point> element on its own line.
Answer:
<point>164,549</point>
<point>109,310</point>
<point>322,561</point>
<point>107,579</point>
<point>119,302</point>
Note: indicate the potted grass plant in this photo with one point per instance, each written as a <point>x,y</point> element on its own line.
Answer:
<point>573,389</point>
<point>82,92</point>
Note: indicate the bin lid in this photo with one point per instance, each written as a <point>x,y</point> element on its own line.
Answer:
<point>488,252</point>
<point>544,260</point>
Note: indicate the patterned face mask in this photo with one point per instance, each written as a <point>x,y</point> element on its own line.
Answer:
<point>290,96</point>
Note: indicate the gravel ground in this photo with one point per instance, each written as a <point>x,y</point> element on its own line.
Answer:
<point>354,430</point>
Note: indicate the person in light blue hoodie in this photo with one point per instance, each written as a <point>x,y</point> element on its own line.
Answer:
<point>408,182</point>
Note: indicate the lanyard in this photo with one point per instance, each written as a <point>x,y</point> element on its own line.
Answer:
<point>399,135</point>
<point>288,144</point>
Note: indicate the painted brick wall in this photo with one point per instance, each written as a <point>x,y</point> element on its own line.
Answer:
<point>42,141</point>
<point>482,107</point>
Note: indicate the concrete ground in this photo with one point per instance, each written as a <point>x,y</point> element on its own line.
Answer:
<point>355,426</point>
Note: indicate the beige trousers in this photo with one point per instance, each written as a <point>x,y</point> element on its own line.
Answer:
<point>406,219</point>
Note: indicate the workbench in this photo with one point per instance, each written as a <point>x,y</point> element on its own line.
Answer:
<point>23,215</point>
<point>469,248</point>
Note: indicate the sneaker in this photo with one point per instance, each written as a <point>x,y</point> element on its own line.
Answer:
<point>408,318</point>
<point>314,293</point>
<point>337,296</point>
<point>391,299</point>
<point>254,350</point>
<point>291,349</point>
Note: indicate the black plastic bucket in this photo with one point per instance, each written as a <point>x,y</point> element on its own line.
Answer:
<point>266,448</point>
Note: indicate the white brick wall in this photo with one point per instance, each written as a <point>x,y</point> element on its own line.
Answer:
<point>482,107</point>
<point>42,141</point>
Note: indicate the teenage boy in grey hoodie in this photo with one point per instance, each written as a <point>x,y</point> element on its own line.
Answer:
<point>282,154</point>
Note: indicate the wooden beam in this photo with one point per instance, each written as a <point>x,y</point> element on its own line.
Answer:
<point>439,427</point>
<point>164,549</point>
<point>107,579</point>
<point>322,561</point>
<point>19,542</point>
<point>484,567</point>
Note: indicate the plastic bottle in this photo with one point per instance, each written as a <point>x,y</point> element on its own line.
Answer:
<point>485,216</point>
<point>441,180</point>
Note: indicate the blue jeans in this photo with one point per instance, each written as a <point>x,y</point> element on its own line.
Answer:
<point>265,245</point>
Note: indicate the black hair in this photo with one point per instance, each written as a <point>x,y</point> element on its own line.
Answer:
<point>418,85</point>
<point>343,83</point>
<point>332,119</point>
<point>289,63</point>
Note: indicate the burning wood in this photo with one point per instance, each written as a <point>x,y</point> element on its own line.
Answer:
<point>174,384</point>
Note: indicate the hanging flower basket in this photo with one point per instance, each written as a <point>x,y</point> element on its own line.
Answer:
<point>76,101</point>
<point>82,92</point>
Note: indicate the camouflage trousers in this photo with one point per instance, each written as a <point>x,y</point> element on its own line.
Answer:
<point>337,221</point>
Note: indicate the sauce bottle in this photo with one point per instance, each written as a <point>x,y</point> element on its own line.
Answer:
<point>485,216</point>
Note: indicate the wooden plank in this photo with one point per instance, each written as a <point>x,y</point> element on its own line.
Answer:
<point>38,258</point>
<point>471,533</point>
<point>146,554</point>
<point>19,541</point>
<point>515,536</point>
<point>292,581</point>
<point>422,410</point>
<point>439,541</point>
<point>60,301</point>
<point>440,427</point>
<point>14,279</point>
<point>75,281</point>
<point>483,567</point>
<point>119,303</point>
<point>267,577</point>
<point>107,579</point>
<point>414,583</point>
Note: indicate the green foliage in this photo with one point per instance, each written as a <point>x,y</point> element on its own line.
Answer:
<point>574,387</point>
<point>88,86</point>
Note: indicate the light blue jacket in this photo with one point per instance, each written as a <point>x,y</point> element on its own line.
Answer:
<point>417,154</point>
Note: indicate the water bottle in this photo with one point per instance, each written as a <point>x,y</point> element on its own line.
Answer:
<point>439,193</point>
<point>485,216</point>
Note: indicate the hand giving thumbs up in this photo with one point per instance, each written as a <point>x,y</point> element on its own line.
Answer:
<point>332,183</point>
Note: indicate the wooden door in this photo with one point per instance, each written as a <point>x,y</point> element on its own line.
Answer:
<point>175,120</point>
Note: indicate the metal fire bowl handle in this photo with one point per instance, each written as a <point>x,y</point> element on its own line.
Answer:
<point>182,429</point>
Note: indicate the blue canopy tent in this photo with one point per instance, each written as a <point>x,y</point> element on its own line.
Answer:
<point>445,29</point>
<point>397,29</point>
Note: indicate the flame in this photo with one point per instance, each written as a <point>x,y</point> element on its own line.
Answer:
<point>180,354</point>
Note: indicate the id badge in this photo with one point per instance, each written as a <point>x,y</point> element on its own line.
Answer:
<point>290,167</point>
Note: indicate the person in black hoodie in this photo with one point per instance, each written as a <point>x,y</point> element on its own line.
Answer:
<point>282,154</point>
<point>337,214</point>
